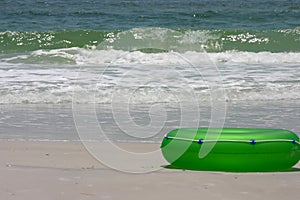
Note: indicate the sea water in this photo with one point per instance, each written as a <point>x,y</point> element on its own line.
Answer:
<point>146,67</point>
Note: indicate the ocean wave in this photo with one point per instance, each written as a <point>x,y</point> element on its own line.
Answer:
<point>173,60</point>
<point>76,56</point>
<point>152,39</point>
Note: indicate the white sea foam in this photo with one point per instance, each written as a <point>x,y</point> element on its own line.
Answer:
<point>92,56</point>
<point>51,76</point>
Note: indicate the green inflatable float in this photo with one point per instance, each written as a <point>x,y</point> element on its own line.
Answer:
<point>231,149</point>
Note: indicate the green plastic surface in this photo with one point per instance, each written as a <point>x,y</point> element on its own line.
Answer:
<point>273,149</point>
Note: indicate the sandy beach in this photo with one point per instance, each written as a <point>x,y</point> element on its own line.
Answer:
<point>65,170</point>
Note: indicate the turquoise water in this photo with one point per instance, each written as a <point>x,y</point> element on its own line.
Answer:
<point>286,40</point>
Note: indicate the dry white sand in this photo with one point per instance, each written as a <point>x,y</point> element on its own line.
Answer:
<point>65,170</point>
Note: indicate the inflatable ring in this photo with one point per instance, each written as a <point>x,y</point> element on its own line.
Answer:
<point>235,150</point>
